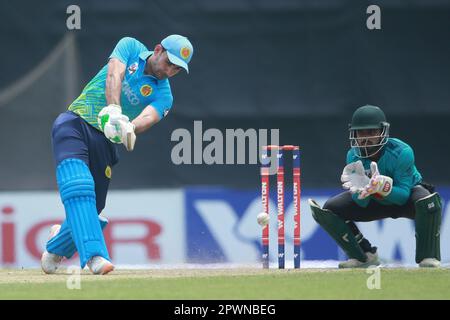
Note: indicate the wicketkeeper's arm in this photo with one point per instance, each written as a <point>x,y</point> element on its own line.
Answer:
<point>404,180</point>
<point>115,75</point>
<point>146,119</point>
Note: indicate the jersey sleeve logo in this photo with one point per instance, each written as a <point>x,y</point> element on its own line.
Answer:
<point>166,112</point>
<point>146,90</point>
<point>132,68</point>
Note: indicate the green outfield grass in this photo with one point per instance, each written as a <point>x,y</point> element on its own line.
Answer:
<point>229,284</point>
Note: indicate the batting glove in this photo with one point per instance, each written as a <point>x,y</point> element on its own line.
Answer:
<point>117,126</point>
<point>379,184</point>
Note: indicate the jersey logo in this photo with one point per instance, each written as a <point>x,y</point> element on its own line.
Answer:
<point>131,96</point>
<point>146,90</point>
<point>166,112</point>
<point>108,172</point>
<point>185,52</point>
<point>132,68</point>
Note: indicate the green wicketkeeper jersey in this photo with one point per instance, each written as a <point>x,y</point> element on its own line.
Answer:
<point>397,162</point>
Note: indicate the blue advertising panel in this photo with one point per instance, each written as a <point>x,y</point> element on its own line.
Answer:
<point>221,227</point>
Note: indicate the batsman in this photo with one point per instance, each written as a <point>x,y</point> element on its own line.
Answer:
<point>382,181</point>
<point>130,94</point>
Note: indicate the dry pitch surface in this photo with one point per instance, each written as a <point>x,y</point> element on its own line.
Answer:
<point>230,283</point>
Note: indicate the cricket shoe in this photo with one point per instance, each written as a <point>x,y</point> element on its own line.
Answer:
<point>99,265</point>
<point>372,260</point>
<point>50,261</point>
<point>429,263</point>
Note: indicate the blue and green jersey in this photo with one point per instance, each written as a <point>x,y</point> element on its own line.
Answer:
<point>139,90</point>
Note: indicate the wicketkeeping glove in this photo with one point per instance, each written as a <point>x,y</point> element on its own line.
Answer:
<point>378,184</point>
<point>116,126</point>
<point>354,178</point>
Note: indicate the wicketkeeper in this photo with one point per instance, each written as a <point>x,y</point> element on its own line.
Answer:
<point>128,96</point>
<point>382,182</point>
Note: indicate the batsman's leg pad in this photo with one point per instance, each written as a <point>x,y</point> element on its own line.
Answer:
<point>77,190</point>
<point>338,230</point>
<point>62,244</point>
<point>428,224</point>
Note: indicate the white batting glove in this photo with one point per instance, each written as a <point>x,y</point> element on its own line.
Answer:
<point>111,113</point>
<point>378,184</point>
<point>117,126</point>
<point>354,178</point>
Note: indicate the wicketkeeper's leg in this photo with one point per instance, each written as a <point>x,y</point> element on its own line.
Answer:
<point>338,230</point>
<point>428,223</point>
